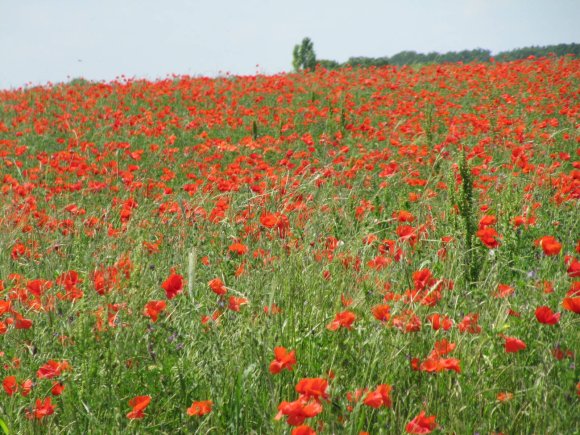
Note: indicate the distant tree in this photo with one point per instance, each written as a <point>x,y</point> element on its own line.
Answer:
<point>365,62</point>
<point>523,53</point>
<point>303,56</point>
<point>328,64</point>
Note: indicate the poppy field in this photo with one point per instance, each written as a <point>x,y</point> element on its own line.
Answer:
<point>381,250</point>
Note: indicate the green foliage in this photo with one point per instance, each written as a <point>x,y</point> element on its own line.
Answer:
<point>410,57</point>
<point>472,263</point>
<point>368,61</point>
<point>413,58</point>
<point>4,427</point>
<point>303,56</point>
<point>328,64</point>
<point>539,51</point>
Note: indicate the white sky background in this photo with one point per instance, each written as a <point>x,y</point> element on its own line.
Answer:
<point>54,40</point>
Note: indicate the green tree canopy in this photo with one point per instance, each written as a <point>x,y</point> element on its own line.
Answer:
<point>303,56</point>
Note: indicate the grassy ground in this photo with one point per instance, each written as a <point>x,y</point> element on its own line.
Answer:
<point>307,196</point>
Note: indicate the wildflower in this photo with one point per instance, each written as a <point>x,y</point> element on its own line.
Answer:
<point>52,369</point>
<point>440,322</point>
<point>173,285</point>
<point>546,316</point>
<point>238,248</point>
<point>407,321</point>
<point>470,324</point>
<point>488,237</point>
<point>505,396</point>
<point>284,360</point>
<point>344,319</point>
<point>303,429</point>
<point>487,221</point>
<point>381,312</point>
<point>200,408</point>
<point>26,387</point>
<point>153,309</point>
<point>57,389</point>
<point>42,409</point>
<point>139,404</point>
<point>379,397</point>
<point>235,303</point>
<point>299,410</point>
<point>503,290</point>
<point>217,286</point>
<point>10,385</point>
<point>549,245</point>
<point>513,345</point>
<point>313,387</point>
<point>421,424</point>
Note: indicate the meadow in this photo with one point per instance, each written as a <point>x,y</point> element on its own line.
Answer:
<point>380,250</point>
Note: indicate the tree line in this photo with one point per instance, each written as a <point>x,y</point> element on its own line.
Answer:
<point>304,56</point>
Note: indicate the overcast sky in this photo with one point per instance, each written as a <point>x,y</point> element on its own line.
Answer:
<point>55,40</point>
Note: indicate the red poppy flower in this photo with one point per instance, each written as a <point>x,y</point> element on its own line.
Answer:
<point>284,360</point>
<point>26,387</point>
<point>572,304</point>
<point>238,248</point>
<point>488,237</point>
<point>105,279</point>
<point>5,307</point>
<point>303,430</point>
<point>139,404</point>
<point>381,312</point>
<point>573,267</point>
<point>470,324</point>
<point>403,216</point>
<point>345,300</point>
<point>421,424</point>
<point>513,344</point>
<point>173,285</point>
<point>546,316</point>
<point>487,221</point>
<point>379,397</point>
<point>407,233</point>
<point>299,410</point>
<point>434,364</point>
<point>57,389</point>
<point>503,291</point>
<point>269,220</point>
<point>548,287</point>
<point>440,322</point>
<point>10,385</point>
<point>235,303</point>
<point>52,369</point>
<point>505,396</point>
<point>422,278</point>
<point>276,220</point>
<point>21,322</point>
<point>549,245</point>
<point>42,409</point>
<point>200,408</point>
<point>442,348</point>
<point>313,387</point>
<point>153,309</point>
<point>344,319</point>
<point>218,287</point>
<point>407,322</point>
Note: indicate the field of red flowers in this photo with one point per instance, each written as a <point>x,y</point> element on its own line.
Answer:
<point>390,250</point>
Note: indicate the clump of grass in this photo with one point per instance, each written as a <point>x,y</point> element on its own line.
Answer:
<point>472,262</point>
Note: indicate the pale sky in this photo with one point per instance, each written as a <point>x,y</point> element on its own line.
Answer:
<point>55,40</point>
